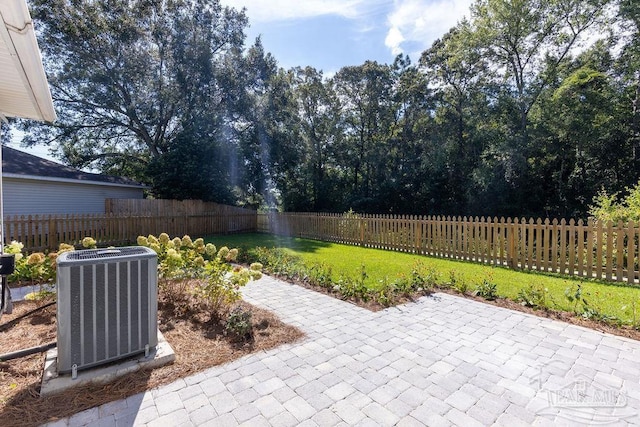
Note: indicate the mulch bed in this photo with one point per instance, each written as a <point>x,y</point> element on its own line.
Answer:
<point>198,341</point>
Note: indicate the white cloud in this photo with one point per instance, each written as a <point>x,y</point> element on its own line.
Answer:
<point>422,21</point>
<point>393,40</point>
<point>277,10</point>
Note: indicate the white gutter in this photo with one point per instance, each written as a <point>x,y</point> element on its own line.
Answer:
<point>33,99</point>
<point>71,180</point>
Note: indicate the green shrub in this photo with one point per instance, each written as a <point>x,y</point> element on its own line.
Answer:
<point>239,324</point>
<point>190,272</point>
<point>277,261</point>
<point>614,207</point>
<point>36,268</point>
<point>355,288</point>
<point>281,263</point>
<point>487,289</point>
<point>534,296</point>
<point>458,282</point>
<point>320,275</point>
<point>574,295</point>
<point>420,279</point>
<point>190,268</point>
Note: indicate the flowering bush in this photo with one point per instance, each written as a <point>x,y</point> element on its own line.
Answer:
<point>89,243</point>
<point>214,282</point>
<point>36,268</point>
<point>191,271</point>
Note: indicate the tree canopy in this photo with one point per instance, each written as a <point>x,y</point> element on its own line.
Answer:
<point>528,107</point>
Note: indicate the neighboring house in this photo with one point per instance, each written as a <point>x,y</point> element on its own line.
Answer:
<point>33,185</point>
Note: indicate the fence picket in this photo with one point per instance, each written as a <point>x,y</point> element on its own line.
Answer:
<point>589,250</point>
<point>609,252</point>
<point>619,250</point>
<point>631,251</point>
<point>580,248</point>
<point>546,246</point>
<point>593,248</point>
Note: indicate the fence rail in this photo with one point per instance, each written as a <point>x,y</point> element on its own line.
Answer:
<point>591,249</point>
<point>46,232</point>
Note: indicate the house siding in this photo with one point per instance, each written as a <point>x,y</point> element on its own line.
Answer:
<point>31,197</point>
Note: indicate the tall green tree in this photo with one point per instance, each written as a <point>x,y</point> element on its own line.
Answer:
<point>628,70</point>
<point>365,95</point>
<point>318,112</point>
<point>460,76</point>
<point>523,38</point>
<point>135,81</point>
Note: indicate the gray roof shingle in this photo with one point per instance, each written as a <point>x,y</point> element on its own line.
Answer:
<point>18,162</point>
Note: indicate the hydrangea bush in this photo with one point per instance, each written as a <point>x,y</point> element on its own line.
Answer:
<point>38,267</point>
<point>189,271</point>
<point>192,272</point>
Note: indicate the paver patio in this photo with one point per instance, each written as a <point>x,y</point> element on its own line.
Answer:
<point>442,360</point>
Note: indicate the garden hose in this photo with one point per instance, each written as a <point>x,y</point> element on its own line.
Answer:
<point>17,319</point>
<point>26,352</point>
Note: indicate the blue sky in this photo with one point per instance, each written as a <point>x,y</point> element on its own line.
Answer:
<point>330,34</point>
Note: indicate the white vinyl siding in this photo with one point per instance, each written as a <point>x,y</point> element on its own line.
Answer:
<point>31,197</point>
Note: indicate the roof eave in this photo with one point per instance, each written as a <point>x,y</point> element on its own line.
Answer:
<point>24,90</point>
<point>72,181</point>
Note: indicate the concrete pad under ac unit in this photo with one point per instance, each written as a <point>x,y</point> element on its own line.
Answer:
<point>53,383</point>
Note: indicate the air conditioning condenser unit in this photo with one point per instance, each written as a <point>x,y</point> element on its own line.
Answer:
<point>107,305</point>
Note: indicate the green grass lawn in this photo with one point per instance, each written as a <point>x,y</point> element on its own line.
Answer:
<point>609,299</point>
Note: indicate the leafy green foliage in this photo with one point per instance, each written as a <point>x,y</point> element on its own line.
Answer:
<point>36,268</point>
<point>134,99</point>
<point>487,289</point>
<point>190,268</point>
<point>502,107</point>
<point>421,279</point>
<point>280,262</point>
<point>458,282</point>
<point>534,296</point>
<point>388,269</point>
<point>616,208</point>
<point>190,271</point>
<point>238,324</point>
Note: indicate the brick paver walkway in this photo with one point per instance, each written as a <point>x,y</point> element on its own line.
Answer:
<point>442,360</point>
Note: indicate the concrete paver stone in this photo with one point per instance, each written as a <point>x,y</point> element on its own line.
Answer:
<point>441,360</point>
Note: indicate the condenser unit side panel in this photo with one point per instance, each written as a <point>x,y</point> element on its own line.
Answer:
<point>87,315</point>
<point>63,317</point>
<point>134,305</point>
<point>143,311</point>
<point>101,310</point>
<point>75,322</point>
<point>122,327</point>
<point>107,309</point>
<point>112,310</point>
<point>152,296</point>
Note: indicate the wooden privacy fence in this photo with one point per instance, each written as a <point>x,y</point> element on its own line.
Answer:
<point>166,207</point>
<point>590,249</point>
<point>46,232</point>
